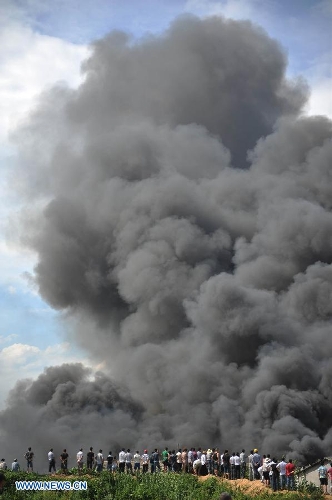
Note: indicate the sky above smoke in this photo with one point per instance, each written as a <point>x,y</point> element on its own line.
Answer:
<point>180,208</point>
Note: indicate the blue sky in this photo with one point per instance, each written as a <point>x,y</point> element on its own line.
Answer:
<point>32,335</point>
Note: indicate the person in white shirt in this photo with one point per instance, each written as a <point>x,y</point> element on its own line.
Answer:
<point>128,459</point>
<point>209,461</point>
<point>179,460</point>
<point>137,461</point>
<point>221,464</point>
<point>122,460</point>
<point>79,460</point>
<point>232,466</point>
<point>145,461</point>
<point>266,469</point>
<point>15,466</point>
<point>243,463</point>
<point>250,466</point>
<point>260,473</point>
<point>99,461</point>
<point>204,470</point>
<point>51,461</point>
<point>281,466</point>
<point>197,464</point>
<point>190,460</point>
<point>237,466</point>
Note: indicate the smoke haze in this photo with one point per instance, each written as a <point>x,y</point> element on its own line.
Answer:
<point>180,207</point>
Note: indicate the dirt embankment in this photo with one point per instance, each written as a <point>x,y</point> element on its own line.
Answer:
<point>251,487</point>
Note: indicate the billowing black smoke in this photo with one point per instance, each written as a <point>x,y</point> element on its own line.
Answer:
<point>186,231</point>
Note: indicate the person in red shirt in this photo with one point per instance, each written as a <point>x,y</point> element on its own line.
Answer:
<point>290,472</point>
<point>329,474</point>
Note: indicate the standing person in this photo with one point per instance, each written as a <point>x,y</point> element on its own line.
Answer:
<point>3,465</point>
<point>232,465</point>
<point>322,474</point>
<point>109,461</point>
<point>137,461</point>
<point>90,458</point>
<point>227,466</point>
<point>179,460</point>
<point>290,473</point>
<point>274,474</point>
<point>243,464</point>
<point>114,465</point>
<point>266,469</point>
<point>221,460</point>
<point>281,466</point>
<point>209,461</point>
<point>250,466</point>
<point>145,461</point>
<point>155,458</point>
<point>190,460</point>
<point>29,454</point>
<point>152,463</point>
<point>128,459</point>
<point>204,470</point>
<point>164,457</point>
<point>256,462</point>
<point>99,461</point>
<point>172,461</point>
<point>329,473</point>
<point>122,460</point>
<point>80,460</point>
<point>237,466</point>
<point>184,459</point>
<point>215,461</point>
<point>15,466</point>
<point>64,460</point>
<point>51,461</point>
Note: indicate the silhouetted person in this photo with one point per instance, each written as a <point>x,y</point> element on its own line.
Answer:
<point>225,496</point>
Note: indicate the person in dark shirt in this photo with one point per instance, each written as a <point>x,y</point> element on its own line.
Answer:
<point>90,457</point>
<point>29,458</point>
<point>64,460</point>
<point>109,461</point>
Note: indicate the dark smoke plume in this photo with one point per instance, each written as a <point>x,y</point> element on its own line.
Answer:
<point>186,232</point>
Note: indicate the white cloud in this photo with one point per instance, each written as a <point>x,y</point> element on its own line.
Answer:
<point>8,338</point>
<point>29,63</point>
<point>320,102</point>
<point>319,76</point>
<point>16,354</point>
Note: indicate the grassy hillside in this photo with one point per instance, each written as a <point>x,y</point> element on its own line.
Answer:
<point>106,486</point>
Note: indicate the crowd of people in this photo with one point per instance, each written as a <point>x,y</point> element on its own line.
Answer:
<point>277,474</point>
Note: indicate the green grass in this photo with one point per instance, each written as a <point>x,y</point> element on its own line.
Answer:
<point>106,486</point>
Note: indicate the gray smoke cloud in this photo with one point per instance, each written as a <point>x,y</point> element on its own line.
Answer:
<point>180,207</point>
